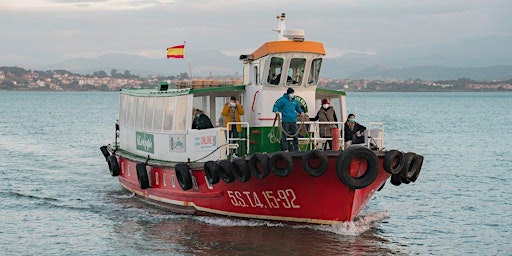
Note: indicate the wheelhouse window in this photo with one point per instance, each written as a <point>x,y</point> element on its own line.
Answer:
<point>130,113</point>
<point>139,113</point>
<point>123,108</point>
<point>159,113</point>
<point>169,113</point>
<point>296,71</point>
<point>181,113</point>
<point>274,73</point>
<point>148,116</point>
<point>315,71</point>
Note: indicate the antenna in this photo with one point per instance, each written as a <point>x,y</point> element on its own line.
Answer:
<point>281,27</point>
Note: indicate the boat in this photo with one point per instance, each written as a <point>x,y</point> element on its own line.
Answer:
<point>160,158</point>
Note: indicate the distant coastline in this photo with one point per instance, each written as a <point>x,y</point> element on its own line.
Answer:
<point>20,79</point>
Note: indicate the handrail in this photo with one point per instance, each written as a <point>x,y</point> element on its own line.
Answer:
<point>229,139</point>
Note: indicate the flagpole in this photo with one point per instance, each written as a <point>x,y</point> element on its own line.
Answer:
<point>189,67</point>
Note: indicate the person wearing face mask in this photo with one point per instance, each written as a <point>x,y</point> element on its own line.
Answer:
<point>353,131</point>
<point>201,121</point>
<point>231,113</point>
<point>288,106</point>
<point>326,114</point>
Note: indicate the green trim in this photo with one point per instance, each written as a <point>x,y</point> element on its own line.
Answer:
<point>324,91</point>
<point>220,89</point>
<point>155,92</point>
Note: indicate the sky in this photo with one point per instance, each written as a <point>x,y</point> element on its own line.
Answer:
<point>51,31</point>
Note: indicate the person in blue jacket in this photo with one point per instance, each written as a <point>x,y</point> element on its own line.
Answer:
<point>289,107</point>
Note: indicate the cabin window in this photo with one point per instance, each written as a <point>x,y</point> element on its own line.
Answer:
<point>159,113</point>
<point>148,117</point>
<point>181,113</point>
<point>315,71</point>
<point>122,109</point>
<point>130,113</point>
<point>247,77</point>
<point>139,112</point>
<point>256,75</point>
<point>262,64</point>
<point>296,71</point>
<point>169,113</point>
<point>274,73</point>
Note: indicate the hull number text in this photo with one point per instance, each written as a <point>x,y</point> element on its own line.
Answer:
<point>265,199</point>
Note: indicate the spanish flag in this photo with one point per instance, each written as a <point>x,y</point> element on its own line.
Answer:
<point>177,51</point>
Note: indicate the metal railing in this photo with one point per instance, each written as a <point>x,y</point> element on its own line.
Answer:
<point>230,140</point>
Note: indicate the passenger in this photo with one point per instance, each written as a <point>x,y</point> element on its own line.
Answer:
<point>353,131</point>
<point>326,114</point>
<point>289,107</point>
<point>201,121</point>
<point>276,79</point>
<point>231,113</point>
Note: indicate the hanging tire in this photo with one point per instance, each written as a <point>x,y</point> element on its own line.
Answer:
<point>258,165</point>
<point>393,161</point>
<point>318,170</point>
<point>419,162</point>
<point>142,175</point>
<point>240,169</point>
<point>343,167</point>
<point>211,173</point>
<point>224,169</point>
<point>113,165</point>
<point>283,157</point>
<point>183,176</point>
<point>396,179</point>
<point>411,166</point>
<point>105,152</point>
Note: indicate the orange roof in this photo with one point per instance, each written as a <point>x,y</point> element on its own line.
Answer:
<point>288,46</point>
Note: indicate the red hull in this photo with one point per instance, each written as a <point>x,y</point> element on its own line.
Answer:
<point>298,197</point>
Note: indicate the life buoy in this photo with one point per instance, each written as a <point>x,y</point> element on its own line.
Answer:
<point>211,173</point>
<point>258,165</point>
<point>224,169</point>
<point>321,168</point>
<point>240,169</point>
<point>142,175</point>
<point>393,161</point>
<point>281,171</point>
<point>183,176</point>
<point>113,165</point>
<point>105,152</point>
<point>419,162</point>
<point>411,166</point>
<point>343,167</point>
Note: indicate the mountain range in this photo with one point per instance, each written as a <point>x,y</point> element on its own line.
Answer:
<point>482,59</point>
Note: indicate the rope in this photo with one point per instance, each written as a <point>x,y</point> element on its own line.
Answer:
<point>277,138</point>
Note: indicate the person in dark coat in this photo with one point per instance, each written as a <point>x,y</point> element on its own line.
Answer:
<point>326,114</point>
<point>353,131</point>
<point>201,121</point>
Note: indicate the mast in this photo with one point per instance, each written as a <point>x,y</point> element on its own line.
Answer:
<point>281,27</point>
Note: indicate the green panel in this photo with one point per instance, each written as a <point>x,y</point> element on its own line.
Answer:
<point>260,141</point>
<point>145,142</point>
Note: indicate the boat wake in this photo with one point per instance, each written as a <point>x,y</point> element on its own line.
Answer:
<point>356,227</point>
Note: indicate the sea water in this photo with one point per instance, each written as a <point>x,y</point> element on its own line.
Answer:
<point>58,198</point>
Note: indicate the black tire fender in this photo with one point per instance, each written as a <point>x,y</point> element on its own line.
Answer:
<point>281,156</point>
<point>343,167</point>
<point>224,169</point>
<point>113,165</point>
<point>258,165</point>
<point>183,176</point>
<point>318,170</point>
<point>211,172</point>
<point>411,166</point>
<point>396,179</point>
<point>105,152</point>
<point>393,161</point>
<point>419,163</point>
<point>240,169</point>
<point>142,175</point>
